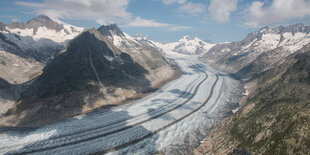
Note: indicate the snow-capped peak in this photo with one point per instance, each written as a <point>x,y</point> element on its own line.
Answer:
<point>43,27</point>
<point>192,46</point>
<point>140,36</point>
<point>185,38</point>
<point>111,30</point>
<point>120,39</point>
<point>186,45</point>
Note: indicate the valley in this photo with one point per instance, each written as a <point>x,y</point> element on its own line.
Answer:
<point>66,89</point>
<point>175,109</point>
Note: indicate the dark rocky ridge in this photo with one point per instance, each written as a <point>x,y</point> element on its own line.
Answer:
<point>41,54</point>
<point>12,48</point>
<point>73,68</point>
<point>89,74</point>
<point>106,30</point>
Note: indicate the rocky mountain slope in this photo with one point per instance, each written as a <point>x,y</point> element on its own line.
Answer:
<point>268,45</point>
<point>275,120</point>
<point>26,47</point>
<point>98,68</point>
<point>186,45</point>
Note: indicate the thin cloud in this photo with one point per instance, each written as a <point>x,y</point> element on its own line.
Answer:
<point>220,10</point>
<point>178,28</point>
<point>139,22</point>
<point>186,6</point>
<point>193,8</point>
<point>258,14</point>
<point>82,9</point>
<point>168,2</point>
<point>103,12</point>
<point>31,4</point>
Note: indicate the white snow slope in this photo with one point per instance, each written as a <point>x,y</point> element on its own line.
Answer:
<point>186,45</point>
<point>63,36</point>
<point>171,120</point>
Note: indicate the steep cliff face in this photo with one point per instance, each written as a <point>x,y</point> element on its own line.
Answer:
<point>275,120</point>
<point>92,72</point>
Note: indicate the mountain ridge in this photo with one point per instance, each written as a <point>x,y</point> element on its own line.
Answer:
<point>92,72</point>
<point>273,117</point>
<point>275,120</point>
<point>42,23</point>
<point>185,45</point>
<point>232,57</point>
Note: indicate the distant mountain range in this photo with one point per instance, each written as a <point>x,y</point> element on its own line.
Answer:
<point>270,44</point>
<point>186,45</point>
<point>274,115</point>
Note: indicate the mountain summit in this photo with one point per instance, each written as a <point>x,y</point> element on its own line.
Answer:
<point>43,27</point>
<point>110,30</point>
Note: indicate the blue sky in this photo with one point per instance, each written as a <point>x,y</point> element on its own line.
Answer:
<point>166,20</point>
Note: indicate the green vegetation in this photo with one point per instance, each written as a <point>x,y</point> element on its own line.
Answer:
<point>279,122</point>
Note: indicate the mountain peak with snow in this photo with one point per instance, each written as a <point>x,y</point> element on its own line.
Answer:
<point>186,37</point>
<point>192,46</point>
<point>43,27</point>
<point>270,43</point>
<point>39,38</point>
<point>186,45</point>
<point>140,36</point>
<point>43,21</point>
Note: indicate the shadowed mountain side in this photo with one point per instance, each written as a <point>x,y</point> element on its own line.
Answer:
<point>9,93</point>
<point>6,90</point>
<point>275,119</point>
<point>11,47</point>
<point>91,73</point>
<point>27,47</point>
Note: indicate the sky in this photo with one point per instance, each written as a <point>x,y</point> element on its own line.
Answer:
<point>166,20</point>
